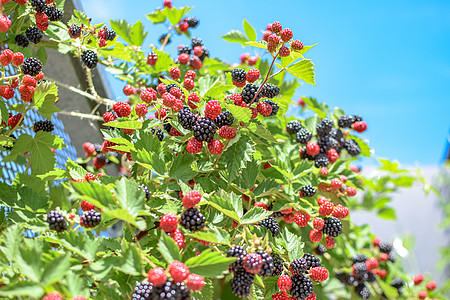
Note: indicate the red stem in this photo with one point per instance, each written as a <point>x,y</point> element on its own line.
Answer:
<point>265,80</point>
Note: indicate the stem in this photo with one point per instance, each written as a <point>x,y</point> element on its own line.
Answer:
<point>275,74</point>
<point>10,77</point>
<point>265,80</point>
<point>90,82</point>
<point>81,115</point>
<point>152,264</point>
<point>166,39</point>
<point>217,159</point>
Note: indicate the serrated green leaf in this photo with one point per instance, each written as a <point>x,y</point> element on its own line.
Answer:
<point>56,270</point>
<point>249,31</point>
<point>129,196</point>
<point>241,113</point>
<point>238,155</point>
<point>225,206</point>
<point>22,289</point>
<point>260,44</point>
<point>132,34</point>
<point>255,215</point>
<point>157,16</point>
<point>181,167</point>
<point>175,14</point>
<point>125,124</point>
<point>303,70</point>
<point>235,36</point>
<point>209,264</point>
<point>387,213</point>
<point>45,96</point>
<point>168,248</point>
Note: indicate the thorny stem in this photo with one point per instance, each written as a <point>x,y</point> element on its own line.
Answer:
<point>265,80</point>
<point>81,115</point>
<point>90,82</point>
<point>135,239</point>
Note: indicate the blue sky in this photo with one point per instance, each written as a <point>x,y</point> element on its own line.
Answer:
<point>385,60</point>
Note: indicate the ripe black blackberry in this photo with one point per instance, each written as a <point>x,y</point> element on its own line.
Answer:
<point>167,127</point>
<point>238,75</point>
<point>359,258</point>
<point>31,66</point>
<point>320,250</point>
<point>192,219</point>
<point>270,90</point>
<point>385,247</point>
<point>56,221</point>
<point>345,278</point>
<point>171,291</point>
<point>89,59</point>
<point>204,54</point>
<point>145,189</point>
<point>204,129</point>
<point>305,155</point>
<point>311,260</point>
<point>267,268</point>
<point>371,277</point>
<point>303,136</point>
<point>142,291</point>
<point>302,287</point>
<point>391,256</point>
<point>356,118</point>
<point>271,224</point>
<point>75,30</point>
<point>186,118</point>
<point>236,251</point>
<point>362,291</point>
<point>298,266</point>
<point>274,106</point>
<point>324,127</point>
<point>337,134</point>
<point>242,283</point>
<point>324,144</point>
<point>110,35</point>
<point>196,42</point>
<point>359,269</point>
<point>162,38</point>
<point>397,283</point>
<point>249,92</point>
<point>39,5</point>
<point>277,264</point>
<point>33,34</point>
<point>352,147</point>
<point>21,40</point>
<point>172,85</point>
<point>45,125</point>
<point>293,127</point>
<point>321,160</point>
<point>308,190</point>
<point>224,119</point>
<point>192,22</point>
<point>159,133</point>
<point>345,121</point>
<point>184,49</point>
<point>332,227</point>
<point>54,14</point>
<point>277,214</point>
<point>90,219</point>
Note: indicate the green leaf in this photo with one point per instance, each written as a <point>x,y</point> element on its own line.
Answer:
<point>98,194</point>
<point>261,130</point>
<point>157,16</point>
<point>235,36</point>
<point>249,31</point>
<point>22,289</point>
<point>118,51</point>
<point>387,213</point>
<point>4,115</point>
<point>169,249</point>
<point>84,245</point>
<point>81,16</point>
<point>132,34</point>
<point>365,149</point>
<point>260,44</point>
<point>270,284</point>
<point>164,62</point>
<point>175,14</point>
<point>389,291</point>
<point>264,188</point>
<point>319,108</point>
<point>238,155</point>
<point>303,70</point>
<point>56,270</point>
<point>45,96</point>
<point>255,215</point>
<point>291,242</point>
<point>129,196</point>
<point>249,174</point>
<point>241,113</point>
<point>209,264</point>
<point>125,124</point>
<point>181,167</point>
<point>224,205</point>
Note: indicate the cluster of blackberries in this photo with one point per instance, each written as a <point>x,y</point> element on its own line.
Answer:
<point>33,34</point>
<point>31,66</point>
<point>271,224</point>
<point>332,227</point>
<point>192,219</point>
<point>45,125</point>
<point>249,264</point>
<point>169,290</point>
<point>89,59</point>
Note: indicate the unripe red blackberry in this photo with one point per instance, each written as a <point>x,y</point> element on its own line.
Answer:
<point>17,59</point>
<point>284,283</point>
<point>183,58</point>
<point>195,282</point>
<point>286,35</point>
<point>195,63</point>
<point>227,132</point>
<point>297,45</point>
<point>157,277</point>
<point>152,58</point>
<point>264,109</point>
<point>351,191</point>
<point>169,222</point>
<point>301,218</point>
<point>212,109</point>
<point>122,109</point>
<point>284,51</point>
<point>276,27</point>
<point>274,106</point>
<point>141,109</point>
<point>359,126</point>
<point>252,75</point>
<point>175,73</point>
<point>253,263</point>
<point>179,271</point>
<point>194,146</point>
<point>215,147</point>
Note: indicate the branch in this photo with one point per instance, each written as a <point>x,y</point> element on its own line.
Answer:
<point>81,115</point>
<point>265,80</point>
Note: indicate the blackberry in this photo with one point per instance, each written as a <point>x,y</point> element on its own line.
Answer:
<point>196,42</point>
<point>238,75</point>
<point>305,155</point>
<point>90,218</point>
<point>391,257</point>
<point>332,227</point>
<point>324,127</point>
<point>204,129</point>
<point>110,35</point>
<point>224,119</point>
<point>144,188</point>
<point>162,38</point>
<point>237,251</point>
<point>171,291</point>
<point>359,269</point>
<point>54,14</point>
<point>359,258</point>
<point>352,147</point>
<point>308,191</point>
<point>44,126</point>
<point>31,66</point>
<point>143,291</point>
<point>371,277</point>
<point>324,143</point>
<point>277,214</point>
<point>274,106</point>
<point>321,250</point>
<point>303,136</point>
<point>56,221</point>
<point>298,266</point>
<point>270,90</point>
<point>159,133</point>
<point>192,22</point>
<point>268,266</point>
<point>242,283</point>
<point>184,49</point>
<point>74,30</point>
<point>293,127</point>
<point>186,118</point>
<point>385,247</point>
<point>172,85</point>
<point>21,40</point>
<point>249,92</point>
<point>204,54</point>
<point>33,34</point>
<point>321,160</point>
<point>345,278</point>
<point>167,127</point>
<point>345,121</point>
<point>339,137</point>
<point>397,283</point>
<point>192,219</point>
<point>356,118</point>
<point>311,260</point>
<point>39,5</point>
<point>362,291</point>
<point>302,287</point>
<point>271,224</point>
<point>89,59</point>
<point>277,264</point>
